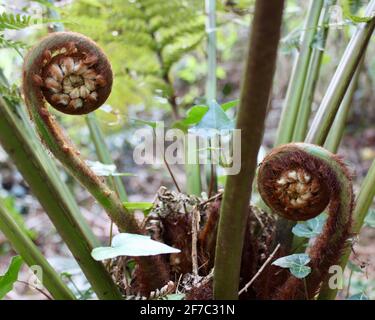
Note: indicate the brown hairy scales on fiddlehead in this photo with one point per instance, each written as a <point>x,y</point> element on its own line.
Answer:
<point>75,76</point>
<point>298,181</point>
<point>291,185</point>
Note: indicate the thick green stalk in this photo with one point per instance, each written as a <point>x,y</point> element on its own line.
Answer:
<point>21,116</point>
<point>364,201</point>
<point>341,80</point>
<point>312,76</point>
<point>32,256</point>
<point>298,78</point>
<point>192,170</point>
<point>256,88</point>
<point>211,50</point>
<point>211,83</point>
<point>337,130</point>
<point>104,154</point>
<point>333,140</point>
<point>44,180</point>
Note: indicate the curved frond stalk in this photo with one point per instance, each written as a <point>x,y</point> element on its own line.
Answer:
<point>363,203</point>
<point>341,79</point>
<point>32,256</point>
<point>104,155</point>
<point>39,68</point>
<point>54,69</point>
<point>300,70</point>
<point>298,181</point>
<point>256,88</point>
<point>43,178</point>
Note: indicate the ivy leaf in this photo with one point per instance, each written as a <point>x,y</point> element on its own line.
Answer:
<point>296,263</point>
<point>310,228</point>
<point>370,219</point>
<point>353,267</point>
<point>175,296</point>
<point>135,245</point>
<point>142,206</point>
<point>196,113</point>
<point>214,120</point>
<point>358,296</point>
<point>10,276</point>
<point>230,104</point>
<point>105,170</point>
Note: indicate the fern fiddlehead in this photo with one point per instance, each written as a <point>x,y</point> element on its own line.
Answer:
<point>71,73</point>
<point>52,73</point>
<point>298,181</point>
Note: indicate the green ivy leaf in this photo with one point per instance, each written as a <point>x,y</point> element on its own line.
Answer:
<point>142,206</point>
<point>196,113</point>
<point>310,228</point>
<point>105,170</point>
<point>10,276</point>
<point>358,296</point>
<point>230,104</point>
<point>135,245</point>
<point>370,219</point>
<point>354,267</point>
<point>175,296</point>
<point>214,119</point>
<point>296,263</point>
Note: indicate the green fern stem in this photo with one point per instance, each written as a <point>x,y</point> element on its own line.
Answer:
<point>300,71</point>
<point>32,256</point>
<point>20,142</point>
<point>340,82</point>
<point>298,181</point>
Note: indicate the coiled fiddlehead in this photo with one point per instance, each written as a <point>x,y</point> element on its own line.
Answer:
<point>298,181</point>
<point>69,71</point>
<point>75,78</point>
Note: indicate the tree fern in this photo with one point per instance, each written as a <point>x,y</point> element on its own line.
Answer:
<point>14,21</point>
<point>10,93</point>
<point>144,38</point>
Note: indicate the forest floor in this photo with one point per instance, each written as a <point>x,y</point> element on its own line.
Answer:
<point>357,149</point>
